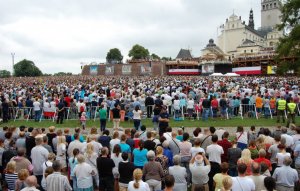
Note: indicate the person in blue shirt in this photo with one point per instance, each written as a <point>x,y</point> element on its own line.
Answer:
<point>125,148</point>
<point>168,153</point>
<point>140,156</point>
<point>81,138</point>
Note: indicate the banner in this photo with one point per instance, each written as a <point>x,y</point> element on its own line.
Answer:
<point>145,69</point>
<point>206,69</point>
<point>126,69</point>
<point>109,70</point>
<point>247,70</point>
<point>93,70</point>
<point>184,72</point>
<point>271,69</point>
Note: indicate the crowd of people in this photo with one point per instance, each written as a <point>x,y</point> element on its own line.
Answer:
<point>192,97</point>
<point>208,159</point>
<point>138,159</point>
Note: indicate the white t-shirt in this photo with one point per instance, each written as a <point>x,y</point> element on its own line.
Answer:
<point>36,106</point>
<point>143,186</point>
<point>280,157</point>
<point>289,140</point>
<point>137,114</point>
<point>242,138</point>
<point>214,152</point>
<point>83,175</point>
<point>190,104</point>
<point>114,142</point>
<point>242,183</point>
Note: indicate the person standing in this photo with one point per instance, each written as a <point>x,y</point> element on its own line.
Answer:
<point>281,106</point>
<point>214,152</point>
<point>84,174</point>
<point>257,178</point>
<point>103,117</point>
<point>149,103</point>
<point>199,171</point>
<point>163,121</point>
<point>285,176</point>
<point>57,181</point>
<point>291,107</point>
<point>242,182</point>
<point>105,166</point>
<point>137,115</point>
<point>39,156</point>
<point>5,110</point>
<point>60,111</point>
<point>125,171</point>
<point>37,109</point>
<point>116,116</point>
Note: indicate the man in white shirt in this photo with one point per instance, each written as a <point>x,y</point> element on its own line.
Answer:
<point>242,182</point>
<point>289,142</point>
<point>199,171</point>
<point>214,152</point>
<point>39,155</point>
<point>75,144</point>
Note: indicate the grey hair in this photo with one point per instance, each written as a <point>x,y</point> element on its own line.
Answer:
<point>151,155</point>
<point>287,161</point>
<point>176,160</point>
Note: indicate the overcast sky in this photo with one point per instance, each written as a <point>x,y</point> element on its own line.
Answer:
<point>57,35</point>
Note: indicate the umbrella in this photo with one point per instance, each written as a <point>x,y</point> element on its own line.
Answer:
<point>216,74</point>
<point>231,74</point>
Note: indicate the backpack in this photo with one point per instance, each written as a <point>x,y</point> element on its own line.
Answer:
<point>81,109</point>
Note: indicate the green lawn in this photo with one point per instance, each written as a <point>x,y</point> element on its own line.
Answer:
<point>187,123</point>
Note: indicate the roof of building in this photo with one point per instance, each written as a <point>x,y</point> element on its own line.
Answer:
<point>184,54</point>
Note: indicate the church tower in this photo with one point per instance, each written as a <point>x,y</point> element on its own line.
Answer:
<point>251,20</point>
<point>270,13</point>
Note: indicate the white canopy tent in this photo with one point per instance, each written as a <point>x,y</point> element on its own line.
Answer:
<point>231,74</point>
<point>216,74</point>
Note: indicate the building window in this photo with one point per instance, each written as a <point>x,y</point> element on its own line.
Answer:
<point>271,36</point>
<point>270,6</point>
<point>275,5</point>
<point>267,6</point>
<point>245,51</point>
<point>264,7</point>
<point>232,25</point>
<point>251,50</point>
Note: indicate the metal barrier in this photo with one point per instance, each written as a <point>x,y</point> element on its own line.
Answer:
<point>23,111</point>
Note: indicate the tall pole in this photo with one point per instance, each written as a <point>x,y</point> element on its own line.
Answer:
<point>13,63</point>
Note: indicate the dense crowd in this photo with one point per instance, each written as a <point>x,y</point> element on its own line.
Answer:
<point>162,159</point>
<point>129,159</point>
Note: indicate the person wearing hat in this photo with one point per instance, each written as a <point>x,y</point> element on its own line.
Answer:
<point>199,171</point>
<point>281,106</point>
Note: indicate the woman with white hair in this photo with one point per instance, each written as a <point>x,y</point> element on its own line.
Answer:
<point>84,174</point>
<point>153,172</point>
<point>179,173</point>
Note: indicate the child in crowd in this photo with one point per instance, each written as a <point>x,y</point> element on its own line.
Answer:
<point>83,120</point>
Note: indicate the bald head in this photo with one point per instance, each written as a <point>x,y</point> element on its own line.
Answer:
<point>31,181</point>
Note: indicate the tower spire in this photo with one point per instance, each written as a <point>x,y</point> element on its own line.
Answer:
<point>251,20</point>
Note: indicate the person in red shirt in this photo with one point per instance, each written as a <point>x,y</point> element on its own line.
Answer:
<point>262,159</point>
<point>226,145</point>
<point>214,106</point>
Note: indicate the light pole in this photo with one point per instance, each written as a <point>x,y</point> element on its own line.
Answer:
<point>13,63</point>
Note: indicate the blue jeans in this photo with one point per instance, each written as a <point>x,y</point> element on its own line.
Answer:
<point>37,115</point>
<point>74,180</point>
<point>205,114</point>
<point>136,123</point>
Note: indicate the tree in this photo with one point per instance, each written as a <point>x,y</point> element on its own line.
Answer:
<point>166,58</point>
<point>63,74</point>
<point>138,52</point>
<point>155,57</point>
<point>114,56</point>
<point>290,43</point>
<point>4,74</point>
<point>26,68</point>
